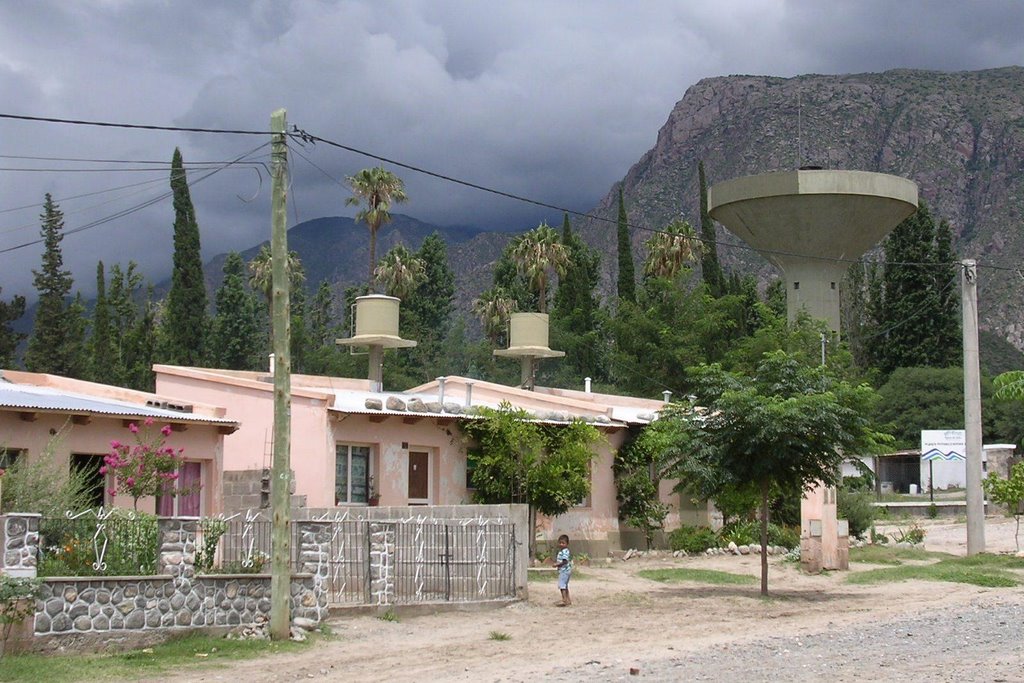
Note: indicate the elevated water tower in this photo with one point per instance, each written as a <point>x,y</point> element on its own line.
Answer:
<point>811,223</point>
<point>528,340</point>
<point>377,329</point>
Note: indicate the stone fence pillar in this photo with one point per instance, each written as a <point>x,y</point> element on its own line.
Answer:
<point>20,544</point>
<point>177,554</point>
<point>382,562</point>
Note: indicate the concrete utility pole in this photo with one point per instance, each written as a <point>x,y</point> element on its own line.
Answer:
<point>972,408</point>
<point>280,488</point>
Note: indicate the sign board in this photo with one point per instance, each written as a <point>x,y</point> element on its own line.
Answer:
<point>943,444</point>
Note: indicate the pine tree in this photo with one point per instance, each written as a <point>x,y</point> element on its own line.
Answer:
<point>103,358</point>
<point>186,322</point>
<point>9,339</point>
<point>321,316</point>
<point>626,288</point>
<point>236,338</point>
<point>75,349</point>
<point>49,345</point>
<point>710,267</point>
<point>947,321</point>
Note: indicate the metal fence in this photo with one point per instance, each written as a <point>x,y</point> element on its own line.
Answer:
<point>420,561</point>
<point>240,544</point>
<point>98,543</point>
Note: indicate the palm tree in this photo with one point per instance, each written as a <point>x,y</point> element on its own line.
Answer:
<point>261,273</point>
<point>669,250</point>
<point>493,308</point>
<point>400,272</point>
<point>378,188</point>
<point>536,253</point>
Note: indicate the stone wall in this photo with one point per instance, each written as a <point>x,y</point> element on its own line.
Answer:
<point>72,609</point>
<point>20,541</point>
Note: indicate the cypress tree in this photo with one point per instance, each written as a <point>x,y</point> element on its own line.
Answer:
<point>626,288</point>
<point>186,322</point>
<point>9,339</point>
<point>710,267</point>
<point>48,346</point>
<point>574,325</point>
<point>427,312</point>
<point>918,299</point>
<point>103,361</point>
<point>236,338</point>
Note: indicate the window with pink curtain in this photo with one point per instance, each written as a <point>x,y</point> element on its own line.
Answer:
<point>189,479</point>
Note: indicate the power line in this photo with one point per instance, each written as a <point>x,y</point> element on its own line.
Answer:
<point>140,206</point>
<point>133,126</point>
<point>309,137</point>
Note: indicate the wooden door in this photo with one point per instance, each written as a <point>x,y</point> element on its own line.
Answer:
<point>419,476</point>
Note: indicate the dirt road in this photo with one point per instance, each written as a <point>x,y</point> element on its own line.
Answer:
<point>621,621</point>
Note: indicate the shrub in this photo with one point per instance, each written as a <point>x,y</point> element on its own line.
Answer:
<point>17,600</point>
<point>45,486</point>
<point>857,509</point>
<point>692,539</point>
<point>786,536</point>
<point>740,533</point>
<point>127,545</point>
<point>211,530</point>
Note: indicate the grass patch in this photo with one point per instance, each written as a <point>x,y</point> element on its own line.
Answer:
<point>390,615</point>
<point>697,575</point>
<point>881,554</point>
<point>499,635</point>
<point>988,571</point>
<point>192,651</point>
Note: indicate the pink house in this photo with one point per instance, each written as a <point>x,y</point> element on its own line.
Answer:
<point>354,447</point>
<point>73,422</point>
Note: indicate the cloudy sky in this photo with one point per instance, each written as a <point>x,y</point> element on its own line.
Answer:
<point>549,100</point>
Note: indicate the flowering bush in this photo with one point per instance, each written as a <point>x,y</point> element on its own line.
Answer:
<point>145,468</point>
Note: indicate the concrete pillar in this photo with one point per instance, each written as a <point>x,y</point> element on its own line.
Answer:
<point>177,554</point>
<point>819,531</point>
<point>20,544</point>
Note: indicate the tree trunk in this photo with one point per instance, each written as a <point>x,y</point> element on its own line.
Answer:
<point>764,538</point>
<point>373,256</point>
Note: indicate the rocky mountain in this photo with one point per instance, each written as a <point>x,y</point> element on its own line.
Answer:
<point>960,136</point>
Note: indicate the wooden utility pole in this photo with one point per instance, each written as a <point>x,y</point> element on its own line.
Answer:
<point>280,487</point>
<point>972,408</point>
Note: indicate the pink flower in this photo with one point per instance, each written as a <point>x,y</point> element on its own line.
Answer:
<point>130,481</point>
<point>103,469</point>
<point>149,421</point>
<point>112,492</point>
<point>115,444</point>
<point>133,428</point>
<point>166,430</point>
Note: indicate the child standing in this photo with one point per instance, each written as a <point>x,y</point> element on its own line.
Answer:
<point>563,561</point>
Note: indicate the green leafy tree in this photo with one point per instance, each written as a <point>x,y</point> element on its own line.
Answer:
<point>9,339</point>
<point>516,460</point>
<point>102,352</point>
<point>1008,492</point>
<point>711,269</point>
<point>537,254</point>
<point>638,469</point>
<point>236,336</point>
<point>784,428</point>
<point>186,323</point>
<point>626,282</point>
<point>374,190</point>
<point>51,345</point>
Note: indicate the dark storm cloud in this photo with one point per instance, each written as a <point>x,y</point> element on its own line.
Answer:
<point>549,100</point>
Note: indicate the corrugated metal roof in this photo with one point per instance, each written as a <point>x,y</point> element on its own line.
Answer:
<point>354,402</point>
<point>29,397</point>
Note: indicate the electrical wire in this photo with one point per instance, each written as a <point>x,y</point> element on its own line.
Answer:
<point>133,126</point>
<point>140,206</point>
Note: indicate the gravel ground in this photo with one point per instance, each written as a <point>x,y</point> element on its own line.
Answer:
<point>973,643</point>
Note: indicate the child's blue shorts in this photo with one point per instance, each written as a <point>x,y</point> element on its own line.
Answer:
<point>563,579</point>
